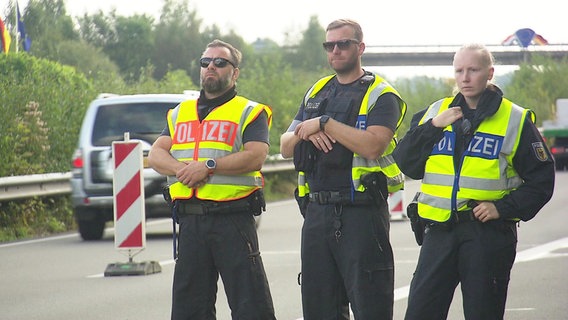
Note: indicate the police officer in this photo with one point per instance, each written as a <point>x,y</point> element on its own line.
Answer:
<point>212,150</point>
<point>343,130</point>
<point>484,167</point>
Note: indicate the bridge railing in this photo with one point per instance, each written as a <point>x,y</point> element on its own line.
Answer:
<point>370,49</point>
<point>442,55</point>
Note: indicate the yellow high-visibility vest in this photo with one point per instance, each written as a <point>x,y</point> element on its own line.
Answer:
<point>218,135</point>
<point>385,163</point>
<point>486,171</point>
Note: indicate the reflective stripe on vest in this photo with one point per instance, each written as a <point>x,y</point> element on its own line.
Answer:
<point>486,171</point>
<point>360,165</point>
<point>218,135</point>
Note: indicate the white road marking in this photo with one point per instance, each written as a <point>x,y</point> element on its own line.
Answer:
<point>539,252</point>
<point>542,251</point>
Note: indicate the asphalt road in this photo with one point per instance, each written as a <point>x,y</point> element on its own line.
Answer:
<point>62,277</point>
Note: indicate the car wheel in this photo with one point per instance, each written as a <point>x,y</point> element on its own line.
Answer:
<point>91,229</point>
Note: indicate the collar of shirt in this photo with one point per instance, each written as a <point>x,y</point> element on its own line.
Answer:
<point>204,105</point>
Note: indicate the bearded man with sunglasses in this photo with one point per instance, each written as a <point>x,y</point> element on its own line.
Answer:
<point>343,134</point>
<point>212,150</point>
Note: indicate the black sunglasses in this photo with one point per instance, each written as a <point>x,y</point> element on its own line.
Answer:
<point>341,44</point>
<point>217,62</point>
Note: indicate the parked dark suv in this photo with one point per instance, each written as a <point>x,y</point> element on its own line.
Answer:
<point>107,119</point>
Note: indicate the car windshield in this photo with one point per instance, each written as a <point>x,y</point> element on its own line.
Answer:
<point>143,121</point>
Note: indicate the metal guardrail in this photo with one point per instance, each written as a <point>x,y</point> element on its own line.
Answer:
<point>20,187</point>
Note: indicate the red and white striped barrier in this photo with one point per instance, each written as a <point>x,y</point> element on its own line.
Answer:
<point>396,205</point>
<point>128,190</point>
<point>129,209</point>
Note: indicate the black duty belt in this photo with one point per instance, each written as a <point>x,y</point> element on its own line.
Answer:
<point>337,197</point>
<point>191,207</point>
<point>463,216</point>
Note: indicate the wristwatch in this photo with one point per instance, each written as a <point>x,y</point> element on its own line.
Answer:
<point>323,120</point>
<point>211,164</point>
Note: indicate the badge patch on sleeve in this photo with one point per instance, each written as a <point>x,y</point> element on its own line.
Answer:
<point>539,151</point>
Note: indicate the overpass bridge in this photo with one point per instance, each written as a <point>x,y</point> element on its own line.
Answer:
<point>443,55</point>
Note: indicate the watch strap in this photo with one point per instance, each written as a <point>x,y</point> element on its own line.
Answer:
<point>323,120</point>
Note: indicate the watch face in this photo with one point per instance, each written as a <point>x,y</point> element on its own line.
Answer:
<point>211,164</point>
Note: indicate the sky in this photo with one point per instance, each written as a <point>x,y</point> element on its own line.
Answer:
<point>384,23</point>
<point>401,22</point>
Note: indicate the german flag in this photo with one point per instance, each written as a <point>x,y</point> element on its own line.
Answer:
<point>5,38</point>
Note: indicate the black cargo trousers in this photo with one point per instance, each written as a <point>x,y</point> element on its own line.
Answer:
<point>478,255</point>
<point>347,259</point>
<point>223,244</point>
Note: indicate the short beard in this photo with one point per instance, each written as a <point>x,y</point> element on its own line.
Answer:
<point>211,85</point>
<point>347,67</point>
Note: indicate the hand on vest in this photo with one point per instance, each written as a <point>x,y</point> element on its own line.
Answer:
<point>447,117</point>
<point>194,174</point>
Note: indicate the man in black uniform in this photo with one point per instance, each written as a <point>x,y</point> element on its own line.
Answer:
<point>212,150</point>
<point>343,130</point>
<point>484,166</point>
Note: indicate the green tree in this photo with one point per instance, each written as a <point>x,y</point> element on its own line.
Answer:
<point>176,81</point>
<point>98,29</point>
<point>48,25</point>
<point>129,42</point>
<point>309,55</point>
<point>30,153</point>
<point>419,93</point>
<point>62,95</point>
<point>269,80</point>
<point>55,38</point>
<point>134,46</point>
<point>179,42</point>
<point>537,85</point>
<point>89,60</point>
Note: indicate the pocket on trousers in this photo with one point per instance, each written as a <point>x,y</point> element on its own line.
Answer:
<point>380,276</point>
